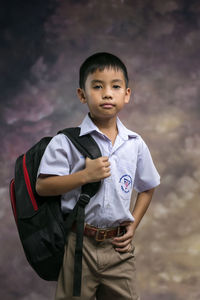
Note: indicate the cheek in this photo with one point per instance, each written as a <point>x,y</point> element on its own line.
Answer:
<point>121,95</point>
<point>91,95</point>
<point>93,98</point>
<point>92,103</point>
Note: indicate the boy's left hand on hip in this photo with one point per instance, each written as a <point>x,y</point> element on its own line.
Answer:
<point>123,243</point>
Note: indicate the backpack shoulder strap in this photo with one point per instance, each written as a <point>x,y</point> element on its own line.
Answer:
<point>85,143</point>
<point>89,148</point>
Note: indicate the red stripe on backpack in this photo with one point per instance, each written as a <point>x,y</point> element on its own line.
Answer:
<point>28,184</point>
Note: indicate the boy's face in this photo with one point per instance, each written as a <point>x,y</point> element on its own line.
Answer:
<point>105,93</point>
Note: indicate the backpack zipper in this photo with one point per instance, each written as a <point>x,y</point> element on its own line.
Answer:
<point>28,184</point>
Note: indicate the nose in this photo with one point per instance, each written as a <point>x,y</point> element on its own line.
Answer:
<point>107,93</point>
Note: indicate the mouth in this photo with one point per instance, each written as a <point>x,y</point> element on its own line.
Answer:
<point>107,105</point>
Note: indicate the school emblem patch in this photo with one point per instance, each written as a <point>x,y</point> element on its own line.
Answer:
<point>126,183</point>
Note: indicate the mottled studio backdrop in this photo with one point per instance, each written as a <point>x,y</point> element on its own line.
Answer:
<point>42,44</point>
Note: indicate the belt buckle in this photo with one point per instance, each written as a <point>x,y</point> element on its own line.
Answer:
<point>100,231</point>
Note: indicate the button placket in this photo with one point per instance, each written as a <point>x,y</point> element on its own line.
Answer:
<point>108,180</point>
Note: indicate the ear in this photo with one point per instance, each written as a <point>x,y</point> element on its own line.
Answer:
<point>81,95</point>
<point>127,95</point>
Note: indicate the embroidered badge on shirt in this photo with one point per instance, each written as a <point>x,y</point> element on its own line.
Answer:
<point>126,183</point>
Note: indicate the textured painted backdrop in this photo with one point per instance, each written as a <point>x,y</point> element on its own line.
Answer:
<point>42,45</point>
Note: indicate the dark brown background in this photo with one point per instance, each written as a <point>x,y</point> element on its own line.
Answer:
<point>42,45</point>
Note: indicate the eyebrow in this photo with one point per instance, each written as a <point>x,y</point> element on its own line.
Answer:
<point>101,81</point>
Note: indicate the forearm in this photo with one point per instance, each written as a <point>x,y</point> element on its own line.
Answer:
<point>95,170</point>
<point>58,185</point>
<point>142,203</point>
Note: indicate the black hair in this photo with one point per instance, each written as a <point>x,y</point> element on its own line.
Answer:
<point>100,61</point>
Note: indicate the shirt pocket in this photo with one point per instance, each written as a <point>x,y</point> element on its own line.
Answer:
<point>124,177</point>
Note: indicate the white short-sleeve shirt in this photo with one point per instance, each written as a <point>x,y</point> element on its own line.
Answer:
<point>131,168</point>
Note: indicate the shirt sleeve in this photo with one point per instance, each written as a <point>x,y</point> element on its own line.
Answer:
<point>146,176</point>
<point>55,158</point>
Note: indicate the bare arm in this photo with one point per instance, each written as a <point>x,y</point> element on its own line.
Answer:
<point>142,203</point>
<point>143,200</point>
<point>95,170</point>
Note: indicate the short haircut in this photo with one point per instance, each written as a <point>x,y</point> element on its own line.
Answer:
<point>100,61</point>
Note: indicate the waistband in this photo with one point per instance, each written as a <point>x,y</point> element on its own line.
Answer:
<point>100,234</point>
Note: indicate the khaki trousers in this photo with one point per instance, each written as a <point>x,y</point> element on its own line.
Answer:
<point>106,273</point>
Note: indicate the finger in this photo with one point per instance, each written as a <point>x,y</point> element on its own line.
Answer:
<point>122,244</point>
<point>107,169</point>
<point>104,158</point>
<point>123,238</point>
<point>107,174</point>
<point>124,249</point>
<point>106,164</point>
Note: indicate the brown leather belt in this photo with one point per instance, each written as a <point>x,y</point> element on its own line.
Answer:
<point>100,234</point>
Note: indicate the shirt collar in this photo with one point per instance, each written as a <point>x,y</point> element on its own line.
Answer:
<point>87,126</point>
<point>124,132</point>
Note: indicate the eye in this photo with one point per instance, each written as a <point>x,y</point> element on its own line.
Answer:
<point>116,86</point>
<point>97,87</point>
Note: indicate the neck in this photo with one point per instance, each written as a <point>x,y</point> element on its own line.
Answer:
<point>107,126</point>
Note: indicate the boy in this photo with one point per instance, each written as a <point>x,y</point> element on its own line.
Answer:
<point>108,256</point>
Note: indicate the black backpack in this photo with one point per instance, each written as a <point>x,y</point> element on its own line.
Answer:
<point>41,225</point>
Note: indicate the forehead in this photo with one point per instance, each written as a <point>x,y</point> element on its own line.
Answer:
<point>106,75</point>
